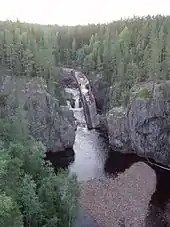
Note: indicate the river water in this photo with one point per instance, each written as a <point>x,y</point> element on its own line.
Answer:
<point>91,158</point>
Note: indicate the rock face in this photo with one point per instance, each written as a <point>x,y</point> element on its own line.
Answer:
<point>118,130</point>
<point>99,88</point>
<point>102,126</point>
<point>49,123</point>
<point>67,79</point>
<point>88,100</point>
<point>145,127</point>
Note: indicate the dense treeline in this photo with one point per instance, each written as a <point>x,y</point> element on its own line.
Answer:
<point>136,47</point>
<point>124,52</point>
<point>30,49</point>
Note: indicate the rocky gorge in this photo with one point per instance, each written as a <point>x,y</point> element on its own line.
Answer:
<point>105,173</point>
<point>143,122</point>
<point>142,127</point>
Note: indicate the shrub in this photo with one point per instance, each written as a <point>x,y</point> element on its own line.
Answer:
<point>144,94</point>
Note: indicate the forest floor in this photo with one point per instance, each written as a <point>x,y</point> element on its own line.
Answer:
<point>120,201</point>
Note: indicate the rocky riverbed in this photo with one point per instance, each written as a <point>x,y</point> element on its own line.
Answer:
<point>120,201</point>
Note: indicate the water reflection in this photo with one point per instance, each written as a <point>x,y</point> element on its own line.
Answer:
<point>159,212</point>
<point>162,193</point>
<point>61,159</point>
<point>118,162</point>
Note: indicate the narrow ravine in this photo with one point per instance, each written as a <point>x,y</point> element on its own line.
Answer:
<point>93,163</point>
<point>90,148</point>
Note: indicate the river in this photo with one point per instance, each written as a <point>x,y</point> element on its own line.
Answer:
<point>91,158</point>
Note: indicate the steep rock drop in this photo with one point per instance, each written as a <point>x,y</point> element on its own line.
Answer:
<point>143,127</point>
<point>49,123</point>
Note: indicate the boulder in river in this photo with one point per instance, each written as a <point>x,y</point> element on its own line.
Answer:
<point>144,127</point>
<point>49,123</point>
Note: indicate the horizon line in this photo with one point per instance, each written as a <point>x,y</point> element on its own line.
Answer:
<point>82,24</point>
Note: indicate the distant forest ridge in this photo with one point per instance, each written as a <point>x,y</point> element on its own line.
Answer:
<point>124,52</point>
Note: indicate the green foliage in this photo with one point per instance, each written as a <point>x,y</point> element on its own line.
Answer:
<point>9,212</point>
<point>144,94</point>
<point>31,194</point>
<point>125,52</point>
<point>29,201</point>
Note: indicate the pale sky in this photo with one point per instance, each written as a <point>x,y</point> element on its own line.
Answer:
<point>72,12</point>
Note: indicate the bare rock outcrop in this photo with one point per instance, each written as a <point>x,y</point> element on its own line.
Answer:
<point>49,123</point>
<point>143,128</point>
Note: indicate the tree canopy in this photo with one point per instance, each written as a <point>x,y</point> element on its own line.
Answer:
<point>31,194</point>
<point>124,52</point>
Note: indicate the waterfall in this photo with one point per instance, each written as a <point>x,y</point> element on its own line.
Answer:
<point>77,102</point>
<point>68,103</point>
<point>87,104</point>
<point>77,109</point>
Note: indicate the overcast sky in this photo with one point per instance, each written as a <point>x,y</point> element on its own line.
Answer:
<point>72,12</point>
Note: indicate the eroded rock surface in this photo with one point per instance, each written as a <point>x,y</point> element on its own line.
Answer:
<point>143,128</point>
<point>49,123</point>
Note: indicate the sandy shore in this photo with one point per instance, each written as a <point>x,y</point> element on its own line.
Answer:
<point>122,201</point>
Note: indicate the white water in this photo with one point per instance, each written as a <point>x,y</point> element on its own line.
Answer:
<point>68,104</point>
<point>77,102</point>
<point>77,110</point>
<point>90,155</point>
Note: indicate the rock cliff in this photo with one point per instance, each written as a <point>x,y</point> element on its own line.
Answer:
<point>49,123</point>
<point>144,127</point>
